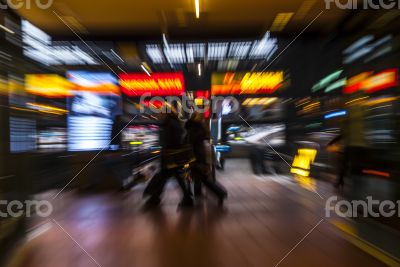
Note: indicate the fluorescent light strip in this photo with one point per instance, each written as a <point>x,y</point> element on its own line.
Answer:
<point>358,44</point>
<point>117,56</point>
<point>165,40</point>
<point>155,54</point>
<point>197,5</point>
<point>281,20</point>
<point>199,68</point>
<point>336,85</point>
<point>335,114</point>
<point>145,70</point>
<point>6,29</point>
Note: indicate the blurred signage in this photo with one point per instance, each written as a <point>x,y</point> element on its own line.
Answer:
<point>368,48</point>
<point>92,109</point>
<point>302,161</point>
<point>181,53</point>
<point>382,80</point>
<point>265,101</point>
<point>97,82</point>
<point>371,83</point>
<point>246,83</point>
<point>90,120</point>
<point>158,84</point>
<point>355,83</point>
<point>38,45</point>
<point>56,86</point>
<point>48,85</point>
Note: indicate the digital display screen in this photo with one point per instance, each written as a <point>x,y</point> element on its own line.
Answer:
<point>140,136</point>
<point>257,134</point>
<point>251,109</point>
<point>232,83</point>
<point>22,134</point>
<point>52,139</point>
<point>157,84</point>
<point>92,111</point>
<point>96,82</point>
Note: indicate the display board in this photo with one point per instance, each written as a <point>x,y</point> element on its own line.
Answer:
<point>91,111</point>
<point>157,84</point>
<point>235,83</point>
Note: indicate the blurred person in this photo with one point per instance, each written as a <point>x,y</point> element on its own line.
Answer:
<point>349,145</point>
<point>173,158</point>
<point>257,159</point>
<point>199,137</point>
<point>336,146</point>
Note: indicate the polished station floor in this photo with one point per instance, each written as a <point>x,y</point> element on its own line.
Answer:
<point>269,220</point>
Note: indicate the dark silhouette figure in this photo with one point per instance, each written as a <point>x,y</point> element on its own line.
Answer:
<point>198,135</point>
<point>172,140</point>
<point>343,158</point>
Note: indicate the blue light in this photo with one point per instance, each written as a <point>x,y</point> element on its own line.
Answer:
<point>335,114</point>
<point>233,129</point>
<point>222,148</point>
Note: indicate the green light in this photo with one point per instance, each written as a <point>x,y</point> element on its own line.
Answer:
<point>326,81</point>
<point>336,85</point>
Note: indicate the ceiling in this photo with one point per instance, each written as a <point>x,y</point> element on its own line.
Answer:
<point>150,18</point>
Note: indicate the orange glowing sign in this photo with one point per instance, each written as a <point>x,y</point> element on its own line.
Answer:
<point>355,83</point>
<point>48,85</point>
<point>382,80</point>
<point>158,84</point>
<point>246,83</point>
<point>372,83</point>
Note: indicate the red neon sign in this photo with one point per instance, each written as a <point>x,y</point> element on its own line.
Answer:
<point>158,84</point>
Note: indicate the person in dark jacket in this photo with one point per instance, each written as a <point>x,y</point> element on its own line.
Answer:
<point>198,136</point>
<point>171,138</point>
<point>343,157</point>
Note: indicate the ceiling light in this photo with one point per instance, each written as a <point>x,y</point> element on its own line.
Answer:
<point>239,50</point>
<point>197,5</point>
<point>199,68</point>
<point>117,56</point>
<point>6,29</point>
<point>175,53</point>
<point>281,20</point>
<point>155,54</point>
<point>217,51</point>
<point>164,37</point>
<point>304,9</point>
<point>264,48</point>
<point>145,70</point>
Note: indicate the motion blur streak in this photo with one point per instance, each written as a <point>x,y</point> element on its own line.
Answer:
<point>199,133</point>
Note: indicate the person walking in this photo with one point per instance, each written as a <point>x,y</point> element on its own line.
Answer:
<point>172,141</point>
<point>198,136</point>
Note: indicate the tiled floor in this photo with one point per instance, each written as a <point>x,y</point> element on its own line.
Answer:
<point>267,221</point>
